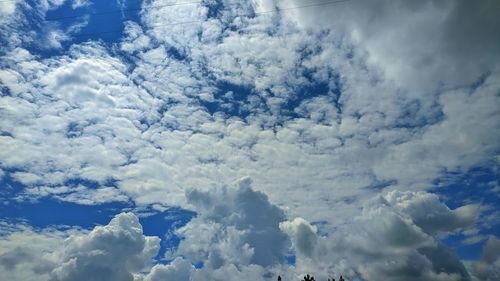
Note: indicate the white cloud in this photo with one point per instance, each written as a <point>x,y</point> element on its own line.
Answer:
<point>329,116</point>
<point>304,235</point>
<point>459,141</point>
<point>440,43</point>
<point>145,128</point>
<point>7,8</point>
<point>237,233</point>
<point>488,267</point>
<point>387,241</point>
<point>178,270</point>
<point>116,251</point>
<point>24,251</point>
<point>111,252</point>
<point>428,213</point>
<point>234,235</point>
<point>80,3</point>
<point>24,23</point>
<point>238,226</point>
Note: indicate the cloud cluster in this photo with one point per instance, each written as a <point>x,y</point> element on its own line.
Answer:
<point>116,251</point>
<point>239,234</point>
<point>237,224</point>
<point>23,23</point>
<point>303,111</point>
<point>422,46</point>
<point>111,252</point>
<point>394,238</point>
<point>488,267</point>
<point>24,251</point>
<point>235,235</point>
<point>323,107</point>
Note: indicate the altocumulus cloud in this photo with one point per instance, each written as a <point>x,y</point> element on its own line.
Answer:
<point>343,117</point>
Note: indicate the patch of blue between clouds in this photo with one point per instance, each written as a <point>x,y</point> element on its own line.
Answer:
<point>476,186</point>
<point>163,225</point>
<point>236,100</point>
<point>230,99</point>
<point>105,23</point>
<point>46,211</point>
<point>291,259</point>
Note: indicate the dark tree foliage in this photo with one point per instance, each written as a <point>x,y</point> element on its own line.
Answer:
<point>311,278</point>
<point>308,278</point>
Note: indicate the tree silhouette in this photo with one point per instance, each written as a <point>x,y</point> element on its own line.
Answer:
<point>308,278</point>
<point>311,278</point>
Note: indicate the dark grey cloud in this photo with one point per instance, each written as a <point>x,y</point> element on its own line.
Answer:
<point>421,44</point>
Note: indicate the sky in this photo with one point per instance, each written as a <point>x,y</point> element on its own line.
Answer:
<point>176,140</point>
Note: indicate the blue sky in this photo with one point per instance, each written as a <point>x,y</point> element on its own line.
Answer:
<point>188,140</point>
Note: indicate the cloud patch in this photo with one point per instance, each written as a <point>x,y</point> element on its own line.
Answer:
<point>116,251</point>
<point>389,240</point>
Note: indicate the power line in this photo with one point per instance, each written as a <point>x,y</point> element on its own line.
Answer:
<point>302,6</point>
<point>238,15</point>
<point>123,11</point>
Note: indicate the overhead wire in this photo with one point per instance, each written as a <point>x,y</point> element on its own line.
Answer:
<point>276,10</point>
<point>123,10</point>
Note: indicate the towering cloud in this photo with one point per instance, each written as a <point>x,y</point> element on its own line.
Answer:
<point>394,238</point>
<point>233,226</point>
<point>238,233</point>
<point>112,252</point>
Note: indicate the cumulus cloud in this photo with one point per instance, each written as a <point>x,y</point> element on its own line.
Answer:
<point>323,107</point>
<point>427,212</point>
<point>111,252</point>
<point>238,233</point>
<point>488,267</point>
<point>300,110</point>
<point>389,240</point>
<point>234,235</point>
<point>178,270</point>
<point>238,226</point>
<point>116,251</point>
<point>24,251</point>
<point>303,234</point>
